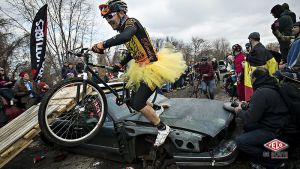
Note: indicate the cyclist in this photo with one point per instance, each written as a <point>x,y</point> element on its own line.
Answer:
<point>147,69</point>
<point>206,74</point>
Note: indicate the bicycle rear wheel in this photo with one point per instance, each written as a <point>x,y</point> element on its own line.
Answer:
<point>68,116</point>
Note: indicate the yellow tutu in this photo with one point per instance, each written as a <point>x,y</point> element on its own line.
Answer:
<point>168,68</point>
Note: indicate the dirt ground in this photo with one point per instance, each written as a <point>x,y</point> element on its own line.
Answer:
<point>56,158</point>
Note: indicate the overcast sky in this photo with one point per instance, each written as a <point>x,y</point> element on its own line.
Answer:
<point>208,19</point>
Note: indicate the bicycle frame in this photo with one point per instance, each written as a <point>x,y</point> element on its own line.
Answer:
<point>120,99</point>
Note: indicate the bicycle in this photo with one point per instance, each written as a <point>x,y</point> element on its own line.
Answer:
<point>217,78</point>
<point>195,83</point>
<point>73,125</point>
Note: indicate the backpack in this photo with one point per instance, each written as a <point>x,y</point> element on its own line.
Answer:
<point>290,91</point>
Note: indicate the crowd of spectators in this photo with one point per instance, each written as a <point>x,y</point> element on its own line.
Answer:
<point>17,96</point>
<point>269,115</point>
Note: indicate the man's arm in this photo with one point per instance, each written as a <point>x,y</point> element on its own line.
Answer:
<point>256,109</point>
<point>281,37</point>
<point>121,38</point>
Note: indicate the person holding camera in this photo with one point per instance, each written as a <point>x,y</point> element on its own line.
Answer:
<point>264,119</point>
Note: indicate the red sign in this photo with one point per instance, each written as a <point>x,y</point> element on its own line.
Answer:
<point>276,145</point>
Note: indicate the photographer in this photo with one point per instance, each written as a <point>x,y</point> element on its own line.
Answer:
<point>263,120</point>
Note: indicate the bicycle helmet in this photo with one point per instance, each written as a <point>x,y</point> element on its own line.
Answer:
<point>236,48</point>
<point>113,6</point>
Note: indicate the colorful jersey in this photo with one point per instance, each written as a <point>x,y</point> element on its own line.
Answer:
<point>136,40</point>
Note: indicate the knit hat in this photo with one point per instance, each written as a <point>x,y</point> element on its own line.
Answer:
<point>254,35</point>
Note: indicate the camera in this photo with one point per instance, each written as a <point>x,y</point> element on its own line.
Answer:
<point>244,105</point>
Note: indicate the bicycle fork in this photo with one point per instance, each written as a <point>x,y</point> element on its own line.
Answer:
<point>84,86</point>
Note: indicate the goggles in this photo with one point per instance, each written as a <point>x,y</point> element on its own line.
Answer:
<point>104,9</point>
<point>110,16</point>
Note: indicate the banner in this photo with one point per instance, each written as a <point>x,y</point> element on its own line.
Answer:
<point>272,67</point>
<point>38,43</point>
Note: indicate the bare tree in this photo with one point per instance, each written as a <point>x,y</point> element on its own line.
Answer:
<point>187,51</point>
<point>157,43</point>
<point>9,46</point>
<point>69,22</point>
<point>200,47</point>
<point>273,46</point>
<point>196,45</point>
<point>220,47</point>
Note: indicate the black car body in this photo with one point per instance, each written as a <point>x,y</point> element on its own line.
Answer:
<point>202,135</point>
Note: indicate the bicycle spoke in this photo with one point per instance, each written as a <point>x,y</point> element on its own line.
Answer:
<point>80,120</point>
<point>66,123</point>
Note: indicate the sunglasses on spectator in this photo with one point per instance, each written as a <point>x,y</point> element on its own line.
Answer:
<point>110,16</point>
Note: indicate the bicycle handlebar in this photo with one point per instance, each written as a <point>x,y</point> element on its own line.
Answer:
<point>84,52</point>
<point>101,66</point>
<point>81,52</point>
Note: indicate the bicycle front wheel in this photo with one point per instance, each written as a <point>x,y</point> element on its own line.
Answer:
<point>72,113</point>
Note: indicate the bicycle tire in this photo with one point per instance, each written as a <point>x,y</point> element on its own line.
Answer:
<point>195,93</point>
<point>90,116</point>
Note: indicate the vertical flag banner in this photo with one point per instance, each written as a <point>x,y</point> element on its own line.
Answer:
<point>38,43</point>
<point>270,64</point>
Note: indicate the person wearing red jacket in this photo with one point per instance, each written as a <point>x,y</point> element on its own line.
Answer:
<point>239,58</point>
<point>206,74</point>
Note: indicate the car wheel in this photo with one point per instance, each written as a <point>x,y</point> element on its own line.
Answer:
<point>169,164</point>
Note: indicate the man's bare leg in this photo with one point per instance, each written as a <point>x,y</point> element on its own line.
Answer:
<point>164,105</point>
<point>150,114</point>
<point>163,130</point>
<point>158,109</point>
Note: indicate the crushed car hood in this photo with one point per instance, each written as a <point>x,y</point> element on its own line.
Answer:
<point>199,115</point>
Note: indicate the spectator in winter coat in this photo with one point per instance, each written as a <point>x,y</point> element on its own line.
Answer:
<point>285,27</point>
<point>292,68</point>
<point>259,55</point>
<point>5,86</point>
<point>287,11</point>
<point>64,70</point>
<point>266,115</point>
<point>26,91</point>
<point>206,73</point>
<point>239,58</point>
<point>43,88</point>
<point>71,71</point>
<point>4,80</point>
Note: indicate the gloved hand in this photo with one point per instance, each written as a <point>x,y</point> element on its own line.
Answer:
<point>116,68</point>
<point>275,25</point>
<point>96,49</point>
